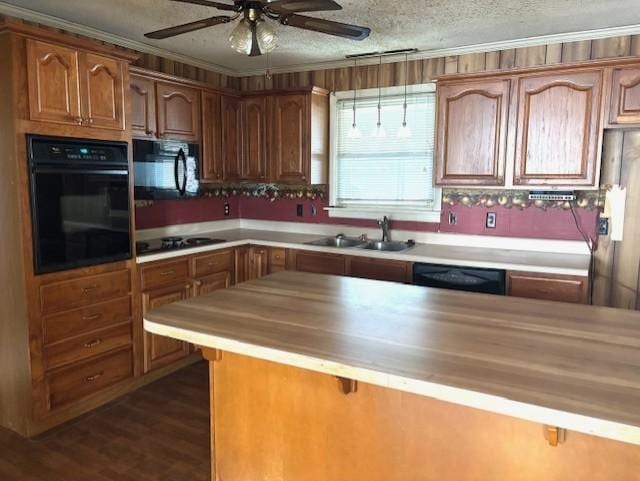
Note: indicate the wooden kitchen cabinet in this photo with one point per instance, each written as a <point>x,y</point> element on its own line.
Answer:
<point>379,269</point>
<point>318,262</point>
<point>299,137</point>
<point>254,139</point>
<point>214,282</point>
<point>277,259</point>
<point>624,107</point>
<point>231,138</point>
<point>548,287</point>
<point>251,262</point>
<point>143,106</point>
<point>212,158</point>
<point>71,86</point>
<point>471,140</point>
<point>558,128</point>
<point>160,350</point>
<point>178,109</point>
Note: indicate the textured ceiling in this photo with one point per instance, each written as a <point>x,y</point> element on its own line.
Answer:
<point>423,24</point>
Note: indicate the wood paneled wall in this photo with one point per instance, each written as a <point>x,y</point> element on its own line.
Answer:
<point>421,71</point>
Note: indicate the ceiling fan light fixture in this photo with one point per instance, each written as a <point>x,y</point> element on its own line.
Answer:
<point>242,38</point>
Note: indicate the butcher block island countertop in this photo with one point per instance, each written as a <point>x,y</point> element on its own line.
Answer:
<point>571,366</point>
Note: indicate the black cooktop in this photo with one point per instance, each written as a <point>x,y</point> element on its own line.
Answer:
<point>153,246</point>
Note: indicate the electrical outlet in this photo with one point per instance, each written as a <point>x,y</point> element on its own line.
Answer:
<point>299,210</point>
<point>603,226</point>
<point>491,220</point>
<point>314,211</point>
<point>453,219</point>
<point>227,209</point>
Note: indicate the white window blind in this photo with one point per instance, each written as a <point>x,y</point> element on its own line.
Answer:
<point>385,170</point>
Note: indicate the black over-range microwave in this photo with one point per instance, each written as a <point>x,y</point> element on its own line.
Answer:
<point>165,169</point>
<point>79,202</point>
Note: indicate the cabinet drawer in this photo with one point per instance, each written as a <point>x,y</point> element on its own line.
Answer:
<point>379,269</point>
<point>164,274</point>
<point>548,287</point>
<point>79,321</point>
<point>212,263</point>
<point>320,263</point>
<point>87,345</point>
<point>79,380</point>
<point>83,292</point>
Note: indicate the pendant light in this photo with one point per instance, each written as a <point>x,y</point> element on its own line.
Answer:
<point>354,133</point>
<point>379,131</point>
<point>405,132</point>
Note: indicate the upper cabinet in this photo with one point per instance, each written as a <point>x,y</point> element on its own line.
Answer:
<point>74,87</point>
<point>212,158</point>
<point>178,110</point>
<point>558,128</point>
<point>472,132</point>
<point>624,108</point>
<point>254,131</point>
<point>143,107</point>
<point>231,108</point>
<point>299,138</point>
<point>536,128</point>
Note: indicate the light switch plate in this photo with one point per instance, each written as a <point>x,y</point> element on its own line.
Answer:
<point>491,220</point>
<point>453,219</point>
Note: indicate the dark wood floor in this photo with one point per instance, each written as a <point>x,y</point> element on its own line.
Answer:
<point>158,433</point>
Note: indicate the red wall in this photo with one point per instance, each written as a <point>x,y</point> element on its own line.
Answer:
<point>531,222</point>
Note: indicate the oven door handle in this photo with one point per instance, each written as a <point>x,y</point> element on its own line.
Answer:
<point>57,170</point>
<point>175,171</point>
<point>181,157</point>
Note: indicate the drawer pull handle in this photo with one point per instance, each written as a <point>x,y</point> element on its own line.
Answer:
<point>92,344</point>
<point>94,377</point>
<point>92,317</point>
<point>197,283</point>
<point>168,273</point>
<point>88,289</point>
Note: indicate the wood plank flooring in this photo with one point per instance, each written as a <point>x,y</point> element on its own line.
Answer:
<point>158,433</point>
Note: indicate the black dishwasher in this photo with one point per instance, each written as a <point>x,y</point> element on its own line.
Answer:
<point>471,279</point>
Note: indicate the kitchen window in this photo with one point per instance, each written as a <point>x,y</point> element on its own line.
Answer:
<point>386,171</point>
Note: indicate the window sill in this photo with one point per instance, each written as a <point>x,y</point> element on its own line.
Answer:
<point>378,213</point>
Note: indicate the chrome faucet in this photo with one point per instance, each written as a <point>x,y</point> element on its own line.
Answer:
<point>384,223</point>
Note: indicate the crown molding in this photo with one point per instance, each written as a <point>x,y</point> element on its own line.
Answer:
<point>56,22</point>
<point>33,16</point>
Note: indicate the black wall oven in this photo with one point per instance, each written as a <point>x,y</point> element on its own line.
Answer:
<point>165,169</point>
<point>79,202</point>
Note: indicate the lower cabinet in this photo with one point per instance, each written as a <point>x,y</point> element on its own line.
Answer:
<point>379,269</point>
<point>251,262</point>
<point>549,287</point>
<point>159,350</point>
<point>209,284</point>
<point>318,262</point>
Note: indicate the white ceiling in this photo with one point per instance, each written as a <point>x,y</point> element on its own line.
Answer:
<point>423,24</point>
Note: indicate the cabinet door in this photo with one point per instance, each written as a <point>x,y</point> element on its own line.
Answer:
<point>159,350</point>
<point>143,107</point>
<point>102,87</point>
<point>54,90</point>
<point>212,168</point>
<point>290,138</point>
<point>472,133</point>
<point>379,269</point>
<point>258,262</point>
<point>559,129</point>
<point>625,96</point>
<point>241,267</point>
<point>254,131</point>
<point>232,138</point>
<point>207,285</point>
<point>548,287</point>
<point>178,112</point>
<point>319,263</point>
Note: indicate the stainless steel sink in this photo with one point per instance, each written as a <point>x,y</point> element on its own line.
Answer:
<point>389,246</point>
<point>338,241</point>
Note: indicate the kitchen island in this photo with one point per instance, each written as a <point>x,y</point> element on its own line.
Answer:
<point>319,377</point>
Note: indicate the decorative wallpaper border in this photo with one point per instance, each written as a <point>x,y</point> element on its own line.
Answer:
<point>518,199</point>
<point>272,192</point>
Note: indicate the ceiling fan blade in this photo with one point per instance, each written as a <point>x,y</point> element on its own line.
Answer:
<point>207,3</point>
<point>353,32</point>
<point>284,7</point>
<point>187,27</point>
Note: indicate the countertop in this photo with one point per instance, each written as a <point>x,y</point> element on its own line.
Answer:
<point>517,260</point>
<point>571,366</point>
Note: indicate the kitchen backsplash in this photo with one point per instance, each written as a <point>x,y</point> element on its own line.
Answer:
<point>552,222</point>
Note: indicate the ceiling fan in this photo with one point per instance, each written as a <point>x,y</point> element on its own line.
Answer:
<point>253,35</point>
